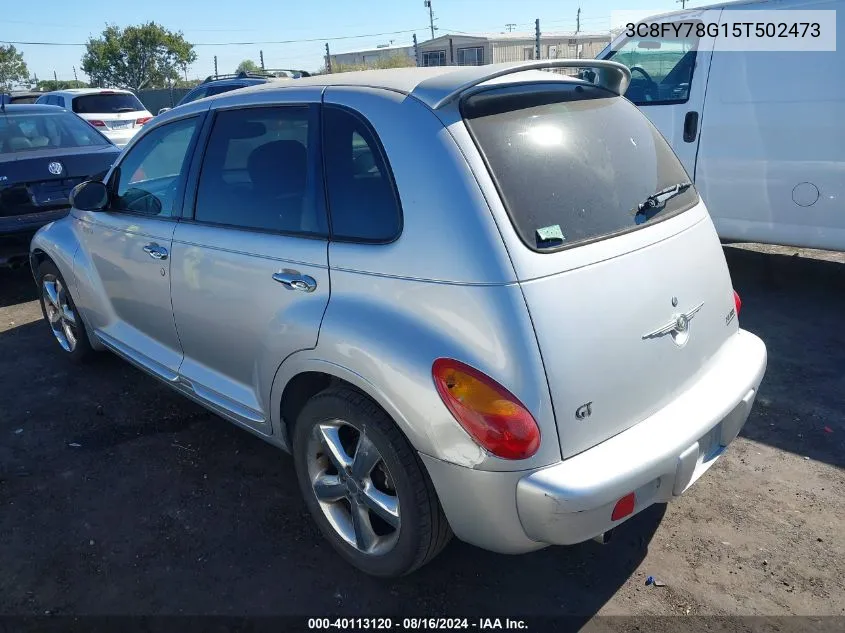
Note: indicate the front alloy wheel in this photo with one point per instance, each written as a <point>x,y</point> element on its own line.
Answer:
<point>60,314</point>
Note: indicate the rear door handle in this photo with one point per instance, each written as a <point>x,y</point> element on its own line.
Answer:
<point>690,126</point>
<point>295,281</point>
<point>155,251</point>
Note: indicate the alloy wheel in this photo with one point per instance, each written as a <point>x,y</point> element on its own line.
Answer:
<point>353,486</point>
<point>60,315</point>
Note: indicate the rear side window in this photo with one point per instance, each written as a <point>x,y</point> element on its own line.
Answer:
<point>260,171</point>
<point>363,203</point>
<point>106,103</point>
<point>572,162</point>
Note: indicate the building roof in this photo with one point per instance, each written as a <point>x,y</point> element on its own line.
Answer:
<point>518,35</point>
<point>376,49</point>
<point>437,85</point>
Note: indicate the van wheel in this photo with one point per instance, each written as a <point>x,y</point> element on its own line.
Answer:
<point>365,486</point>
<point>61,314</point>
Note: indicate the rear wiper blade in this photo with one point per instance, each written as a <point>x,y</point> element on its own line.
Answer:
<point>127,109</point>
<point>659,198</point>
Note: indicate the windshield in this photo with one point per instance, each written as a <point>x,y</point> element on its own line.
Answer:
<point>107,103</point>
<point>35,131</point>
<point>572,162</point>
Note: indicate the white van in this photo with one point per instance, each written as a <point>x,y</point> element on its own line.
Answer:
<point>762,134</point>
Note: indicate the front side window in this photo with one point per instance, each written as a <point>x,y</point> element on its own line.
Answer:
<point>54,130</point>
<point>471,56</point>
<point>149,176</point>
<point>107,103</point>
<point>661,69</point>
<point>572,162</point>
<point>259,172</point>
<point>362,198</point>
<point>434,58</point>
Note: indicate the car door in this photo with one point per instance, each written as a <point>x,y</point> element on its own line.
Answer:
<point>250,265</point>
<point>668,80</point>
<point>127,248</point>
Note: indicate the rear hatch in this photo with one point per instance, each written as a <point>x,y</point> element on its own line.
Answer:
<point>111,111</point>
<point>628,306</point>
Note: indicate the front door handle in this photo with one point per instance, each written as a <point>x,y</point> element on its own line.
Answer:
<point>690,126</point>
<point>295,281</point>
<point>155,251</point>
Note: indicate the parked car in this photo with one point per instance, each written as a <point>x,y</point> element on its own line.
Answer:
<point>20,96</point>
<point>528,353</point>
<point>44,152</point>
<point>218,84</point>
<point>760,133</point>
<point>118,114</point>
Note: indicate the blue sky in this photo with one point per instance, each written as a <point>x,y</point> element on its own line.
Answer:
<point>215,21</point>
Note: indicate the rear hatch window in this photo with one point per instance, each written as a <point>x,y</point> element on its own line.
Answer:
<point>573,162</point>
<point>107,103</point>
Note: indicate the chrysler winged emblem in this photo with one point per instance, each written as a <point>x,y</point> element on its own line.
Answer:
<point>678,327</point>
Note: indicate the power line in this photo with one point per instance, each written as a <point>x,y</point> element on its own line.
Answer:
<point>313,39</point>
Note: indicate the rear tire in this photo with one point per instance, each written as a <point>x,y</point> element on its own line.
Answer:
<point>61,314</point>
<point>377,505</point>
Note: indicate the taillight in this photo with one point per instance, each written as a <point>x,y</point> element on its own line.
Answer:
<point>97,123</point>
<point>491,414</point>
<point>143,120</point>
<point>737,302</point>
<point>624,507</point>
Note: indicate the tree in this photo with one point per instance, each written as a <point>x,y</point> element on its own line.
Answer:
<point>137,57</point>
<point>49,84</point>
<point>13,68</point>
<point>248,66</point>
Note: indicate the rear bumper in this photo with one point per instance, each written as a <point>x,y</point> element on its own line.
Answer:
<point>572,501</point>
<point>121,137</point>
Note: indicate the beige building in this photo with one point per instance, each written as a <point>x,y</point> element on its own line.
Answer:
<point>371,56</point>
<point>492,48</point>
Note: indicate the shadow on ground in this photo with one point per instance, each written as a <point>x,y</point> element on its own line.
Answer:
<point>797,306</point>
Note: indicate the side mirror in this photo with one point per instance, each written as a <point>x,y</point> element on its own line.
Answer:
<point>163,110</point>
<point>90,195</point>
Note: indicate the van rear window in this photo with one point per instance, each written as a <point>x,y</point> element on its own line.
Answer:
<point>572,162</point>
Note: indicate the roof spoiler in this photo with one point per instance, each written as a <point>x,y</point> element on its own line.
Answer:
<point>439,91</point>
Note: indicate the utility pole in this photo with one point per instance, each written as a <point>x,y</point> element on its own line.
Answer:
<point>537,38</point>
<point>430,16</point>
<point>328,59</point>
<point>416,51</point>
<point>261,54</point>
<point>75,78</point>
<point>510,27</point>
<point>683,3</point>
<point>215,66</point>
<point>578,21</point>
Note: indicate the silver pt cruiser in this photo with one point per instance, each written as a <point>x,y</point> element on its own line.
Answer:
<point>484,301</point>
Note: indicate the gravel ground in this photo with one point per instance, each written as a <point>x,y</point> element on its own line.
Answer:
<point>121,497</point>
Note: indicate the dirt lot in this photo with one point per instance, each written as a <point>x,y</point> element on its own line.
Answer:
<point>120,497</point>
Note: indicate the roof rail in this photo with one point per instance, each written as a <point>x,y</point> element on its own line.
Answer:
<point>269,73</point>
<point>441,90</point>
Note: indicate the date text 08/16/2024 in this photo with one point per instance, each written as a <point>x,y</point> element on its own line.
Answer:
<point>416,624</point>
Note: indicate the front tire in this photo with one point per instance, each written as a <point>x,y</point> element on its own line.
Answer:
<point>61,314</point>
<point>365,486</point>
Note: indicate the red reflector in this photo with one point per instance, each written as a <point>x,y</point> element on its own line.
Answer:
<point>737,302</point>
<point>143,120</point>
<point>624,507</point>
<point>97,123</point>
